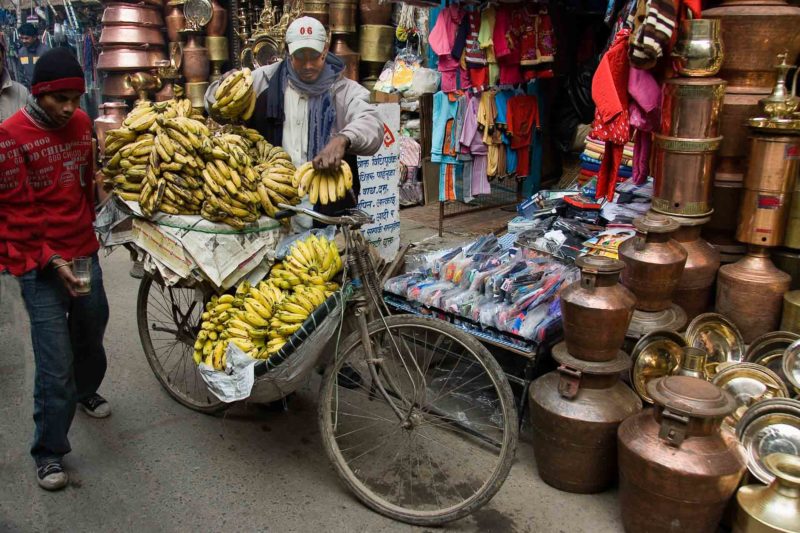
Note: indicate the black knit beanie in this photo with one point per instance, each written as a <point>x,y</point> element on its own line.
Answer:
<point>27,29</point>
<point>57,70</point>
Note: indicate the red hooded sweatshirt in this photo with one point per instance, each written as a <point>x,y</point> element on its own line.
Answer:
<point>58,171</point>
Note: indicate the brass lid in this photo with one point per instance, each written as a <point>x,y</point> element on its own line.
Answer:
<point>691,397</point>
<point>655,223</point>
<point>767,427</point>
<point>599,264</point>
<point>716,335</point>
<point>620,363</point>
<point>657,354</point>
<point>788,126</point>
<point>673,318</point>
<point>791,364</point>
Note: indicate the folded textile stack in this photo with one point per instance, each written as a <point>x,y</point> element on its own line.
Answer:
<point>592,156</point>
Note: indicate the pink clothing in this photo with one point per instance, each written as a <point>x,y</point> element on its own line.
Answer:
<point>472,139</point>
<point>645,112</point>
<point>441,42</point>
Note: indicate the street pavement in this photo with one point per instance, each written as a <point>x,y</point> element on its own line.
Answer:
<point>156,466</point>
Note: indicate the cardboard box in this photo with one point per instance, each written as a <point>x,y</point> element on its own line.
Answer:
<point>378,97</point>
<point>430,181</point>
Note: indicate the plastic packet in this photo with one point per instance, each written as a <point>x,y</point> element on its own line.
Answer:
<point>384,83</point>
<point>285,245</point>
<point>430,294</point>
<point>399,284</point>
<point>405,64</point>
<point>425,81</point>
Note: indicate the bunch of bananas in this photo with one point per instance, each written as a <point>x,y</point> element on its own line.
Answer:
<point>313,261</point>
<point>323,186</point>
<point>235,97</point>
<point>275,185</point>
<point>292,311</point>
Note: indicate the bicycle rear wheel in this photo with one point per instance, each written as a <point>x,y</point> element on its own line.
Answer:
<point>169,319</point>
<point>449,450</point>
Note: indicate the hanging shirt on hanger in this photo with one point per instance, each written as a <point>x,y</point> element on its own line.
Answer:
<point>472,139</point>
<point>486,40</point>
<point>523,117</point>
<point>441,40</point>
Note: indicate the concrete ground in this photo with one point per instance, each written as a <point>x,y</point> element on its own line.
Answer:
<point>157,466</point>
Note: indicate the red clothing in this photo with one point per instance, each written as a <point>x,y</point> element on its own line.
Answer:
<point>523,115</point>
<point>20,225</point>
<point>59,169</point>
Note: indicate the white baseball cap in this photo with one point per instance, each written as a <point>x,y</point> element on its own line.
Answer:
<point>306,32</point>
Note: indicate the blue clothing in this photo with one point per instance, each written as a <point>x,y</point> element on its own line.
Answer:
<point>67,335</point>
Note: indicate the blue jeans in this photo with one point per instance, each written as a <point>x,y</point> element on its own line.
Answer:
<point>67,335</point>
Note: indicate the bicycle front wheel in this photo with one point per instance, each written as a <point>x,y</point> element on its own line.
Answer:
<point>423,432</point>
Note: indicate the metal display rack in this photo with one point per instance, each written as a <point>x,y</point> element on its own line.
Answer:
<point>504,192</point>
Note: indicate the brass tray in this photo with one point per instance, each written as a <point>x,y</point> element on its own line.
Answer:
<point>718,336</point>
<point>768,350</point>
<point>748,383</point>
<point>770,426</point>
<point>656,354</point>
<point>790,366</point>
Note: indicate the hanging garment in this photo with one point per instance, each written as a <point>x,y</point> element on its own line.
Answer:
<point>443,141</point>
<point>611,123</point>
<point>475,56</point>
<point>472,139</point>
<point>485,38</point>
<point>506,39</point>
<point>441,40</point>
<point>645,113</point>
<point>523,118</point>
<point>487,113</point>
<point>653,36</point>
<point>501,102</point>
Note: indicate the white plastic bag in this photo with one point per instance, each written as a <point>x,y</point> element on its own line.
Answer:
<point>425,81</point>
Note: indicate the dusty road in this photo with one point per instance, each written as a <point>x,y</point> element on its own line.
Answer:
<point>157,466</point>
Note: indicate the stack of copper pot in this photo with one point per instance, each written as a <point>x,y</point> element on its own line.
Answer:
<point>575,411</point>
<point>376,42</point>
<point>654,265</point>
<point>750,292</point>
<point>131,42</point>
<point>754,32</point>
<point>342,16</point>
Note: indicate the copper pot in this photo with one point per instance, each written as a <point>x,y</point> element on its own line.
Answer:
<point>375,11</point>
<point>771,174</point>
<point>176,23</point>
<point>118,58</point>
<point>124,14</point>
<point>596,311</point>
<point>575,413</point>
<point>737,108</point>
<point>677,468</point>
<point>690,107</point>
<point>342,14</point>
<point>196,66</point>
<point>376,43</point>
<point>775,508</point>
<point>683,171</point>
<point>653,261</point>
<point>113,113</point>
<point>754,32</point>
<point>750,293</point>
<point>116,85</point>
<point>218,24</point>
<point>695,287</point>
<point>125,35</point>
<point>317,9</point>
<point>340,48</point>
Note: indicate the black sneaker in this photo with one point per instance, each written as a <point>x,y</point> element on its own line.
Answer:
<point>51,476</point>
<point>96,406</point>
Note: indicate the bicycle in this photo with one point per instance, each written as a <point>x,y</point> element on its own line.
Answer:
<point>416,415</point>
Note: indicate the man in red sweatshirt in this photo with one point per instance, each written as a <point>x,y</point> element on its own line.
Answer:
<point>48,159</point>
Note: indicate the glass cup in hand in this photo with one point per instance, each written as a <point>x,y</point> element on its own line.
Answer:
<point>82,268</point>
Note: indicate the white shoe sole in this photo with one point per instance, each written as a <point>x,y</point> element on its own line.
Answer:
<point>54,481</point>
<point>102,411</point>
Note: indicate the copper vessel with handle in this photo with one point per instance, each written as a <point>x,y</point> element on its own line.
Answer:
<point>677,468</point>
<point>654,262</point>
<point>596,310</point>
<point>575,413</point>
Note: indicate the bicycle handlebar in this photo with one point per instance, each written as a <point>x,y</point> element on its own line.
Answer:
<point>355,217</point>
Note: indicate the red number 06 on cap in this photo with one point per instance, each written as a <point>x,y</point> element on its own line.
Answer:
<point>306,30</point>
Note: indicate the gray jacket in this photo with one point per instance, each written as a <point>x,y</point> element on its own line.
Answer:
<point>356,118</point>
<point>12,96</point>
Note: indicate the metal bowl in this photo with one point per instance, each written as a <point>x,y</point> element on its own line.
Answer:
<point>768,350</point>
<point>791,365</point>
<point>656,354</point>
<point>770,426</point>
<point>749,383</point>
<point>118,13</point>
<point>716,335</point>
<point>644,322</point>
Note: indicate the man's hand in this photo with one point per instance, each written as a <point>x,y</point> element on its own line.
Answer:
<point>331,156</point>
<point>64,271</point>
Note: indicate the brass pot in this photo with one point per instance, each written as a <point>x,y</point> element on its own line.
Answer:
<point>117,85</point>
<point>789,262</point>
<point>125,14</point>
<point>342,15</point>
<point>750,293</point>
<point>698,50</point>
<point>683,171</point>
<point>375,12</point>
<point>737,109</point>
<point>653,261</point>
<point>596,311</point>
<point>693,363</point>
<point>317,9</point>
<point>176,23</point>
<point>218,24</point>
<point>340,48</point>
<point>217,55</point>
<point>128,58</point>
<point>677,468</point>
<point>690,107</point>
<point>113,113</point>
<point>754,32</point>
<point>196,66</point>
<point>195,92</point>
<point>376,43</point>
<point>775,508</point>
<point>575,413</point>
<point>125,35</point>
<point>695,287</point>
<point>790,318</point>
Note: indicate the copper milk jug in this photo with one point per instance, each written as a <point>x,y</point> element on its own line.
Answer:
<point>596,311</point>
<point>695,292</point>
<point>677,468</point>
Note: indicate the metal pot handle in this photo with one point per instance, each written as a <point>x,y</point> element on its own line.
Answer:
<point>673,428</point>
<point>639,240</point>
<point>569,382</point>
<point>588,279</point>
